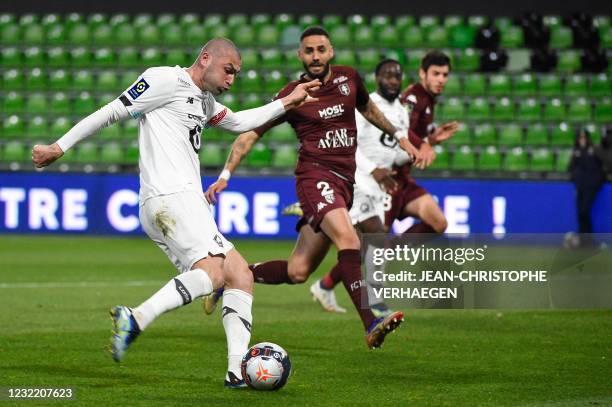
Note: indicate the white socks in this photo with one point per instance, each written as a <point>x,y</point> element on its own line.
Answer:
<point>237,319</point>
<point>179,291</point>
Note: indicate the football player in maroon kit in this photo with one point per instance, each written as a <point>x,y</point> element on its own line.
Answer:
<point>324,176</point>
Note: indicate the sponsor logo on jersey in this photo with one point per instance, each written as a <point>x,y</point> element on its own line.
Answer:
<point>217,240</point>
<point>138,89</point>
<point>411,102</point>
<point>184,83</point>
<point>320,206</point>
<point>332,111</point>
<point>428,110</point>
<point>190,100</point>
<point>336,139</point>
<point>345,89</point>
<point>340,79</point>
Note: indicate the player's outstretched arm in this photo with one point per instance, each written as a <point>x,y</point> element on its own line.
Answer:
<point>44,155</point>
<point>240,148</point>
<point>301,94</point>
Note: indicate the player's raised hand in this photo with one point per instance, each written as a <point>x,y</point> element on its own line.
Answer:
<point>412,151</point>
<point>43,155</point>
<point>301,94</point>
<point>428,155</point>
<point>444,132</point>
<point>214,189</point>
<point>384,178</point>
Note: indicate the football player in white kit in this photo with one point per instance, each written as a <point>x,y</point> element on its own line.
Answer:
<point>173,105</point>
<point>376,154</point>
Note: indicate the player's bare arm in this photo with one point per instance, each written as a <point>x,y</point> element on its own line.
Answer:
<point>240,148</point>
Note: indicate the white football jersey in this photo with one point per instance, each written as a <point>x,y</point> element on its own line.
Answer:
<point>379,147</point>
<point>172,113</point>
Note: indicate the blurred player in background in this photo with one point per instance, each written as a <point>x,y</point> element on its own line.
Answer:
<point>324,176</point>
<point>173,105</point>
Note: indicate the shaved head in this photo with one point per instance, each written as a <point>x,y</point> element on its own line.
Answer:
<point>220,47</point>
<point>216,67</point>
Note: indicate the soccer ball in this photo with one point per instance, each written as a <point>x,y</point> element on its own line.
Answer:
<point>266,366</point>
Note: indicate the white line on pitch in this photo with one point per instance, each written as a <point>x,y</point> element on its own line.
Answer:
<point>83,284</point>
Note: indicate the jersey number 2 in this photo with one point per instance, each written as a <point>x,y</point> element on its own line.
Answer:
<point>194,138</point>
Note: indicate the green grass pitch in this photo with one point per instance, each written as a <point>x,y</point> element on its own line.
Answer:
<point>55,293</point>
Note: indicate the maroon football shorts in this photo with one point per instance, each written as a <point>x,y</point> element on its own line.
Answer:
<point>408,190</point>
<point>320,191</point>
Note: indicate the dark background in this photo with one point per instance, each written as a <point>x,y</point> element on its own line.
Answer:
<point>343,7</point>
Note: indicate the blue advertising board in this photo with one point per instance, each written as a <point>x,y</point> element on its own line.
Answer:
<point>107,204</point>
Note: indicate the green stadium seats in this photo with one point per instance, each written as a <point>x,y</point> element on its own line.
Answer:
<point>364,36</point>
<point>237,20</point>
<point>105,58</point>
<point>56,34</point>
<point>453,86</point>
<point>33,34</point>
<point>112,132</point>
<point>575,85</point>
<point>568,61</point>
<point>79,34</point>
<point>307,20</point>
<point>211,155</point>
<point>13,103</point>
<point>563,160</point>
<point>13,127</point>
<point>562,135</point>
<point>149,35</point>
<point>603,111</point>
<point>59,80</point>
<point>394,53</point>
<point>87,153</point>
<point>511,37</point>
<point>172,34</point>
<point>341,35</point>
<point>602,21</point>
<point>251,82</point>
<point>130,154</point>
<point>550,85</point>
<point>196,34</point>
<point>36,80</point>
<point>475,84</point>
<point>84,104</point>
<point>476,21</point>
<point>468,60</point>
<point>268,36</point>
<point>11,58</point>
<point>83,80</point>
<point>250,58</point>
<point>345,57</point>
<point>478,109</point>
<point>34,56</point>
<point>529,109</point>
<point>125,34</point>
<point>537,135</point>
<point>151,57</point>
<point>402,22</point>
<point>413,37</point>
<point>271,58</point>
<point>10,34</point>
<point>290,37</point>
<point>230,101</point>
<point>244,35</point>
<point>462,36</point>
<point>510,135</point>
<point>437,37</point>
<point>38,127</point>
<point>284,20</point>
<point>463,136</point>
<point>130,130</point>
<point>594,131</point>
<point>525,85</point>
<point>388,36</point>
<point>12,79</point>
<point>355,21</point>
<point>561,37</point>
<point>274,81</point>
<point>81,57</point>
<point>285,156</point>
<point>37,104</point>
<point>261,19</point>
<point>500,85</point>
<point>368,59</point>
<point>489,159</point>
<point>484,134</point>
<point>606,38</point>
<point>503,109</point>
<point>176,56</point>
<point>14,151</point>
<point>331,21</point>
<point>103,35</point>
<point>108,81</point>
<point>165,20</point>
<point>541,160</point>
<point>105,98</point>
<point>516,160</point>
<point>129,57</point>
<point>554,110</point>
<point>519,60</point>
<point>97,19</point>
<point>452,109</point>
<point>73,18</point>
<point>463,159</point>
<point>259,156</point>
<point>552,21</point>
<point>7,18</point>
<point>429,22</point>
<point>192,19</point>
<point>370,81</point>
<point>452,20</point>
<point>251,101</point>
<point>60,104</point>
<point>600,85</point>
<point>413,63</point>
<point>579,110</point>
<point>281,133</point>
<point>442,160</point>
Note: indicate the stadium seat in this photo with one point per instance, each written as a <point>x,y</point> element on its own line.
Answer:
<point>250,58</point>
<point>59,80</point>
<point>529,110</point>
<point>576,85</point>
<point>484,134</point>
<point>516,160</point>
<point>453,86</point>
<point>230,101</point>
<point>125,34</point>
<point>13,103</point>
<point>290,37</point>
<point>84,104</point>
<point>237,20</point>
<point>34,56</point>
<point>463,136</point>
<point>452,109</point>
<point>210,20</point>
<point>129,57</point>
<point>475,84</point>
<point>112,132</point>
<point>285,156</point>
<point>462,36</point>
<point>151,57</point>
<point>511,37</point>
<point>364,36</point>
<point>79,34</point>
<point>11,58</point>
<point>60,104</point>
<point>560,37</point>
<point>541,160</point>
<point>563,159</point>
<point>478,109</point>
<point>568,61</point>
<point>251,82</point>
<point>388,36</point>
<point>368,59</point>
<point>271,58</point>
<point>196,34</point>
<point>345,57</point>
<point>37,127</point>
<point>251,101</point>
<point>37,104</point>
<point>268,36</point>
<point>307,20</point>
<point>403,21</point>
<point>554,110</point>
<point>10,34</point>
<point>525,85</point>
<point>603,111</point>
<point>274,81</point>
<point>341,35</point>
<point>510,135</point>
<point>284,20</point>
<point>579,110</point>
<point>503,109</point>
<point>537,135</point>
<point>149,35</point>
<point>36,80</point>
<point>281,133</point>
<point>81,57</point>
<point>244,35</point>
<point>595,131</point>
<point>111,153</point>
<point>380,21</point>
<point>437,37</point>
<point>469,60</point>
<point>13,127</point>
<point>413,63</point>
<point>260,156</point>
<point>12,79</point>
<point>355,21</point>
<point>500,85</point>
<point>33,34</point>
<point>103,35</point>
<point>108,81</point>
<point>105,58</point>
<point>412,37</point>
<point>83,80</point>
<point>87,153</point>
<point>176,56</point>
<point>562,135</point>
<point>550,85</point>
<point>172,34</point>
<point>489,159</point>
<point>130,130</point>
<point>211,155</point>
<point>463,159</point>
<point>14,151</point>
<point>94,20</point>
<point>330,21</point>
<point>600,85</point>
<point>442,160</point>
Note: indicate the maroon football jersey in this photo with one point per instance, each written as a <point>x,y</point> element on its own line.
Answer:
<point>326,129</point>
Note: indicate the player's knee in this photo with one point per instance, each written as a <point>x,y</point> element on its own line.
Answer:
<point>237,274</point>
<point>216,276</point>
<point>299,271</point>
<point>348,241</point>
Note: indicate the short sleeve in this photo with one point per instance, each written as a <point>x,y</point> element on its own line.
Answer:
<point>154,88</point>
<point>362,97</point>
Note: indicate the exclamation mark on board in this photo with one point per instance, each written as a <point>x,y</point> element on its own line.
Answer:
<point>499,216</point>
